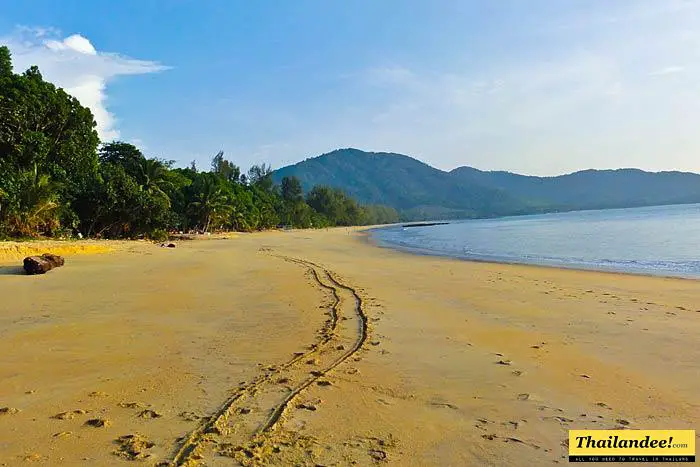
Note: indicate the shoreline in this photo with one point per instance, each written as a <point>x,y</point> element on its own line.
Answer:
<point>13,251</point>
<point>432,253</point>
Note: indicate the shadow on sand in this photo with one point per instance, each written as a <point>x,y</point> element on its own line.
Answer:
<point>12,271</point>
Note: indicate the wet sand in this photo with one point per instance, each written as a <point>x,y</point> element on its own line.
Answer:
<point>316,347</point>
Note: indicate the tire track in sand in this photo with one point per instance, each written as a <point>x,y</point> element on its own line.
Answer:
<point>247,422</point>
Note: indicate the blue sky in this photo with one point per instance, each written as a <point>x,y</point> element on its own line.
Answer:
<point>537,86</point>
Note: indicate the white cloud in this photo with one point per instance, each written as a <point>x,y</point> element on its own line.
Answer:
<point>668,71</point>
<point>74,64</point>
<point>76,43</point>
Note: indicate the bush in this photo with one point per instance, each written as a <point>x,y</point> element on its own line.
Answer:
<point>158,235</point>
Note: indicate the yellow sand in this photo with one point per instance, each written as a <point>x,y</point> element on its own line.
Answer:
<point>463,363</point>
<point>12,251</point>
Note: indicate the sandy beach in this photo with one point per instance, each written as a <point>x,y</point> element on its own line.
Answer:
<point>319,348</point>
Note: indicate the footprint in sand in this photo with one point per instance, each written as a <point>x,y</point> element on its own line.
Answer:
<point>131,405</point>
<point>189,416</point>
<point>70,415</point>
<point>446,405</point>
<point>482,423</point>
<point>310,407</point>
<point>98,422</point>
<point>148,413</point>
<point>377,454</point>
<point>561,420</point>
<point>133,447</point>
<point>98,394</point>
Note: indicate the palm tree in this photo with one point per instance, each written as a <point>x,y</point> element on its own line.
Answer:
<point>154,179</point>
<point>210,201</point>
<point>36,204</point>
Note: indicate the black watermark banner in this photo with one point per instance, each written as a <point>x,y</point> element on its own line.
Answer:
<point>648,458</point>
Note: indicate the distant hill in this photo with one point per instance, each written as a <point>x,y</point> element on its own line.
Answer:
<point>592,189</point>
<point>420,191</point>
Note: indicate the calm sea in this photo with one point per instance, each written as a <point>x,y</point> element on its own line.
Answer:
<point>660,240</point>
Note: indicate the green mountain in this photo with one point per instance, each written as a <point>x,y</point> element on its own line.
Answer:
<point>420,191</point>
<point>592,189</point>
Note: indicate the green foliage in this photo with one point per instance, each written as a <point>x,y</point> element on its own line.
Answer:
<point>335,206</point>
<point>158,235</point>
<point>210,205</point>
<point>55,182</point>
<point>225,169</point>
<point>43,126</point>
<point>291,190</point>
<point>47,151</point>
<point>29,203</point>
<point>376,214</point>
<point>5,62</point>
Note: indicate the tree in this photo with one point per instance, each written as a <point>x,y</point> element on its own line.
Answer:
<point>210,204</point>
<point>261,176</point>
<point>42,125</point>
<point>154,179</point>
<point>5,62</point>
<point>335,205</point>
<point>292,190</point>
<point>125,155</point>
<point>46,132</point>
<point>225,169</point>
<point>379,214</point>
<point>31,207</point>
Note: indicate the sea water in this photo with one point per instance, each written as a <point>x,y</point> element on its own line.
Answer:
<point>658,240</point>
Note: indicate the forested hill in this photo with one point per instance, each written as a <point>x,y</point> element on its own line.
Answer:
<point>418,190</point>
<point>591,189</point>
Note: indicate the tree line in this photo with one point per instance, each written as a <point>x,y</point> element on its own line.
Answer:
<point>57,179</point>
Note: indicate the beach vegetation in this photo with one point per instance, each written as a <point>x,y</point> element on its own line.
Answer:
<point>58,179</point>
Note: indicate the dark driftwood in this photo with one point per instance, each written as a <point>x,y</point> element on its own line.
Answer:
<point>42,264</point>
